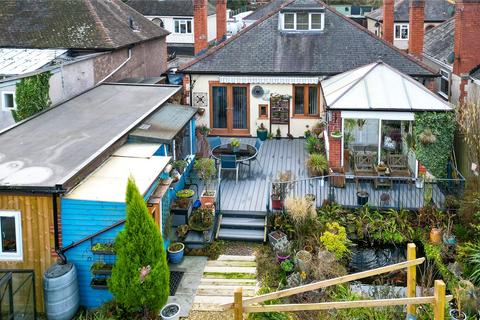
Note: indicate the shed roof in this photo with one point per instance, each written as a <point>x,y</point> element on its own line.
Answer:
<point>73,24</point>
<point>49,149</point>
<point>20,61</point>
<point>379,87</point>
<point>168,8</point>
<point>263,49</point>
<point>109,181</point>
<point>165,124</point>
<point>435,11</point>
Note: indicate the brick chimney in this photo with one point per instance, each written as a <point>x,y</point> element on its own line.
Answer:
<point>416,27</point>
<point>221,11</point>
<point>466,43</point>
<point>200,25</point>
<point>388,18</point>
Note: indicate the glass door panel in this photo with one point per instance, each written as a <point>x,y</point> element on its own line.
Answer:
<point>219,107</point>
<point>239,108</point>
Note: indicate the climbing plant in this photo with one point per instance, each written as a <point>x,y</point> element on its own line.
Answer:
<point>32,95</point>
<point>434,133</point>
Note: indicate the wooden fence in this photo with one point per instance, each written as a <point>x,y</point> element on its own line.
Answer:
<point>439,299</point>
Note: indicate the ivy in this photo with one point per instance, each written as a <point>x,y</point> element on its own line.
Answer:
<point>434,156</point>
<point>32,96</point>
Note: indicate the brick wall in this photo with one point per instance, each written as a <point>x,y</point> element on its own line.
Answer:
<point>149,59</point>
<point>221,10</point>
<point>200,26</point>
<point>387,26</point>
<point>416,28</point>
<point>335,152</point>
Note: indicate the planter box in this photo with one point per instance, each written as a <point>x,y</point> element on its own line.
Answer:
<point>182,211</point>
<point>100,284</point>
<point>275,236</point>
<point>277,204</point>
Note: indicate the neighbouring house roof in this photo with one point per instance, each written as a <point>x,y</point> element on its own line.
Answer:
<point>181,8</point>
<point>73,24</point>
<point>435,11</point>
<point>263,49</point>
<point>46,151</point>
<point>438,42</point>
<point>264,10</point>
<point>475,73</point>
<point>20,61</point>
<point>164,124</point>
<point>109,181</point>
<point>379,87</point>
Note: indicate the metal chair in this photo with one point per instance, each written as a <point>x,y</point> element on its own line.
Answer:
<point>229,163</point>
<point>258,146</point>
<point>214,142</point>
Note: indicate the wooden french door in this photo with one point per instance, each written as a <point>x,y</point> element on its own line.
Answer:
<point>229,109</point>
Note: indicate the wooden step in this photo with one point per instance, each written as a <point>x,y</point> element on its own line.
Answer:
<point>214,290</point>
<point>248,270</point>
<point>221,275</point>
<point>231,263</point>
<point>229,282</point>
<point>245,223</point>
<point>210,303</point>
<point>225,257</point>
<point>242,234</point>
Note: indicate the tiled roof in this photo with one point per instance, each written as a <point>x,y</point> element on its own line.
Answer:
<point>264,49</point>
<point>435,11</point>
<point>264,10</point>
<point>476,73</point>
<point>438,41</point>
<point>167,7</point>
<point>73,24</point>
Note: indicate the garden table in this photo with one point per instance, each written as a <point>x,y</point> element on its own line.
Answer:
<point>245,153</point>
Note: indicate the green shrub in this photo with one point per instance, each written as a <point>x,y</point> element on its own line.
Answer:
<point>140,276</point>
<point>314,145</point>
<point>32,96</point>
<point>334,239</point>
<point>317,164</point>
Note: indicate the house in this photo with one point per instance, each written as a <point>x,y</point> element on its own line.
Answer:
<point>193,24</point>
<point>63,173</point>
<point>395,17</point>
<point>262,11</point>
<point>355,12</point>
<point>285,55</point>
<point>452,49</point>
<point>94,41</point>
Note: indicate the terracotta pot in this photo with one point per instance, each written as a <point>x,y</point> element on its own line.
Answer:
<point>308,248</point>
<point>207,201</point>
<point>436,235</point>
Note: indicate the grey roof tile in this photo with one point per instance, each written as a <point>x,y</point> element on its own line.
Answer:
<point>435,11</point>
<point>264,49</point>
<point>264,10</point>
<point>438,41</point>
<point>167,7</point>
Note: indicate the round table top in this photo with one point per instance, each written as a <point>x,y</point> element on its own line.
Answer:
<point>244,152</point>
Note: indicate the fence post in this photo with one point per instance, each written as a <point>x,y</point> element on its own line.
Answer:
<point>238,304</point>
<point>439,305</point>
<point>411,277</point>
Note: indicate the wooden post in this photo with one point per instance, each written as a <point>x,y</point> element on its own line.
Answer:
<point>238,304</point>
<point>439,305</point>
<point>411,277</point>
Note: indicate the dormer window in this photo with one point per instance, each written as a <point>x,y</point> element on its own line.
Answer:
<point>302,21</point>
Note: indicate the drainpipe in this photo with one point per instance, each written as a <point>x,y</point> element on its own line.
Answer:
<point>191,89</point>
<point>55,230</point>
<point>120,66</point>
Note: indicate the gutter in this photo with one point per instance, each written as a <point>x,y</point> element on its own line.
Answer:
<point>120,66</point>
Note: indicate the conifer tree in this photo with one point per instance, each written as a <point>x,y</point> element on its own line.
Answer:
<point>140,276</point>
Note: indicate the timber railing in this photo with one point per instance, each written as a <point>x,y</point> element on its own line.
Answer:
<point>382,191</point>
<point>439,298</point>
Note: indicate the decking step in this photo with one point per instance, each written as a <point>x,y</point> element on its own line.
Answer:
<point>221,275</point>
<point>247,270</point>
<point>229,282</point>
<point>226,257</point>
<point>244,214</point>
<point>232,263</point>
<point>210,303</point>
<point>238,222</point>
<point>241,234</point>
<point>213,290</point>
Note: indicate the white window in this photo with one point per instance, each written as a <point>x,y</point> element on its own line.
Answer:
<point>11,235</point>
<point>444,84</point>
<point>303,21</point>
<point>401,31</point>
<point>8,101</point>
<point>183,26</point>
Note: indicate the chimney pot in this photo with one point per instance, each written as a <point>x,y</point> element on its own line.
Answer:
<point>388,19</point>
<point>221,11</point>
<point>200,26</point>
<point>416,27</point>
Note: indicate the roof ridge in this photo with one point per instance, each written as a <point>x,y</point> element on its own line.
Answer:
<point>368,32</point>
<point>236,36</point>
<point>98,21</point>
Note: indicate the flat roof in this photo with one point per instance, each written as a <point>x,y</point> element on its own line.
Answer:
<point>47,150</point>
<point>164,124</point>
<point>109,181</point>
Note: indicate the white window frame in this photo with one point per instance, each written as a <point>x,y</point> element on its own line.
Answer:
<point>444,75</point>
<point>322,21</point>
<point>401,26</point>
<point>180,22</point>
<point>9,256</point>
<point>4,94</point>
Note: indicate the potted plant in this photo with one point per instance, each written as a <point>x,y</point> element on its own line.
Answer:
<point>287,266</point>
<point>436,219</point>
<point>382,167</point>
<point>235,144</point>
<point>317,164</point>
<point>420,181</point>
<point>206,171</point>
<point>101,267</point>
<point>201,219</point>
<point>307,132</point>
<point>448,237</point>
<point>175,252</point>
<point>318,128</point>
<point>276,236</point>
<point>103,248</point>
<point>182,231</point>
<point>262,132</point>
<point>362,197</point>
<point>336,134</point>
<point>282,250</point>
<point>171,311</point>
<point>204,130</point>
<point>185,194</point>
<point>181,206</point>
<point>303,258</point>
<point>280,188</point>
<point>179,165</point>
<point>278,136</point>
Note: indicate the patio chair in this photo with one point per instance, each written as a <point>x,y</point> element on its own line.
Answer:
<point>337,177</point>
<point>214,142</point>
<point>258,146</point>
<point>364,166</point>
<point>229,163</point>
<point>398,165</point>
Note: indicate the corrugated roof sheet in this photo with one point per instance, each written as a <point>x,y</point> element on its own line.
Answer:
<point>379,87</point>
<point>20,61</point>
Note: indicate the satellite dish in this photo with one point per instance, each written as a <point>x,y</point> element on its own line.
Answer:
<point>257,91</point>
<point>451,57</point>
